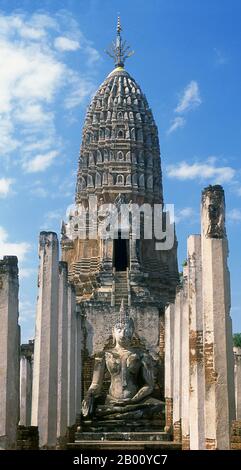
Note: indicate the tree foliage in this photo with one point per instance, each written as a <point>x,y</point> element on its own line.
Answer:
<point>237,340</point>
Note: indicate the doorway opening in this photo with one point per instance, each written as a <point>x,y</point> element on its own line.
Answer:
<point>120,258</point>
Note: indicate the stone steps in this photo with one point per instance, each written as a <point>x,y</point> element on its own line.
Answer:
<point>124,445</point>
<point>121,291</point>
<point>123,436</point>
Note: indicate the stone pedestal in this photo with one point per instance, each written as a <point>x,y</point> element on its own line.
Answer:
<point>44,401</point>
<point>219,380</point>
<point>197,386</point>
<point>237,381</point>
<point>169,339</point>
<point>185,363</point>
<point>26,379</point>
<point>177,364</point>
<point>62,411</point>
<point>9,352</point>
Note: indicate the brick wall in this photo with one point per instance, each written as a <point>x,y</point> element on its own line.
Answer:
<point>27,438</point>
<point>236,435</point>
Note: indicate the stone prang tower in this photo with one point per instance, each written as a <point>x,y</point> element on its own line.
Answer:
<point>119,164</point>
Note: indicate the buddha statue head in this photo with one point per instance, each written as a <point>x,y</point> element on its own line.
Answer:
<point>123,329</point>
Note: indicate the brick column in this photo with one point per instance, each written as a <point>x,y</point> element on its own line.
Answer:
<point>71,402</point>
<point>177,378</point>
<point>26,379</point>
<point>237,380</point>
<point>197,386</point>
<point>218,356</point>
<point>185,363</point>
<point>169,340</point>
<point>62,353</point>
<point>44,401</point>
<point>9,352</point>
<point>78,361</point>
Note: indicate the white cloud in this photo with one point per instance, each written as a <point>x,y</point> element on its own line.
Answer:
<point>8,142</point>
<point>19,249</point>
<point>190,98</point>
<point>40,162</point>
<point>234,215</point>
<point>52,220</point>
<point>177,123</point>
<point>26,311</point>
<point>33,73</point>
<point>65,44</point>
<point>33,114</point>
<point>208,171</point>
<point>93,55</point>
<point>184,214</point>
<point>25,273</point>
<point>81,89</point>
<point>5,185</point>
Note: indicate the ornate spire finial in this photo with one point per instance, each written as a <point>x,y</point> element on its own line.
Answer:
<point>119,29</point>
<point>119,50</point>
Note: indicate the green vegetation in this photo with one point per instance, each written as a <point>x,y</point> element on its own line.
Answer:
<point>237,340</point>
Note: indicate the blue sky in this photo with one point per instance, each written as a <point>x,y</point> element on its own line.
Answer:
<point>187,61</point>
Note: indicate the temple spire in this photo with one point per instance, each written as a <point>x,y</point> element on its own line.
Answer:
<point>119,50</point>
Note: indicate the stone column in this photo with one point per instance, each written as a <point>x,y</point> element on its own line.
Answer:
<point>107,253</point>
<point>197,387</point>
<point>177,364</point>
<point>45,369</point>
<point>78,362</point>
<point>162,352</point>
<point>218,356</point>
<point>9,352</point>
<point>185,363</point>
<point>26,378</point>
<point>134,246</point>
<point>169,340</point>
<point>71,403</point>
<point>237,379</point>
<point>62,353</point>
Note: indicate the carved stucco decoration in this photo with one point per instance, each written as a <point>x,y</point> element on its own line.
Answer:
<point>213,212</point>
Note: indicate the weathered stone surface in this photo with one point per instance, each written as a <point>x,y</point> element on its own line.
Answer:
<point>27,438</point>
<point>177,370</point>
<point>45,370</point>
<point>131,368</point>
<point>237,379</point>
<point>71,356</point>
<point>236,435</point>
<point>219,380</point>
<point>119,164</point>
<point>213,212</point>
<point>78,360</point>
<point>185,364</point>
<point>26,379</point>
<point>62,410</point>
<point>197,387</point>
<point>9,352</point>
<point>169,364</point>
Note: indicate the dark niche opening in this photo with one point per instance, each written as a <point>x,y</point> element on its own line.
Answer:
<point>120,259</point>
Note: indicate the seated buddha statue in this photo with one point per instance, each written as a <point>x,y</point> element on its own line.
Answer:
<point>132,378</point>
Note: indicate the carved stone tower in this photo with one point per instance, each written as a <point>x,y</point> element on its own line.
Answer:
<point>119,164</point>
